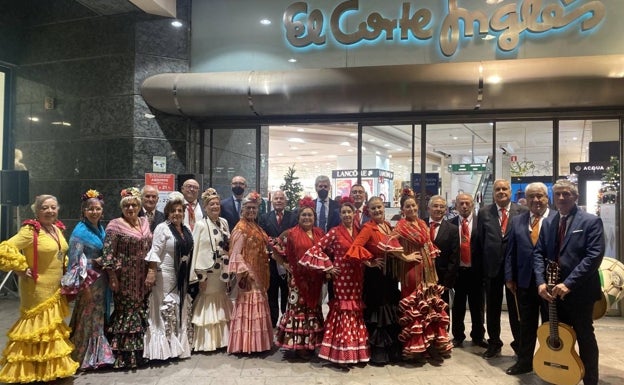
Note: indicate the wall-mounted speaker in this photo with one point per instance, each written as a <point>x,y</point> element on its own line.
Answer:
<point>14,187</point>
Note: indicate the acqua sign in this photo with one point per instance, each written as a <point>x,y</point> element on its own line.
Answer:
<point>507,23</point>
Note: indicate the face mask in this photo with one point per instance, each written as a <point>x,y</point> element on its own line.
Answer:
<point>238,190</point>
<point>323,194</point>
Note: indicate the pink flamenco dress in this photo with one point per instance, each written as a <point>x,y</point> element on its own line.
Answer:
<point>250,326</point>
<point>39,348</point>
<point>423,314</point>
<point>345,340</point>
<point>301,326</point>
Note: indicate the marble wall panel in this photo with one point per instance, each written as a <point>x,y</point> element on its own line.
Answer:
<point>107,117</point>
<point>164,126</point>
<point>148,65</point>
<point>160,38</point>
<point>34,82</point>
<point>95,77</point>
<point>37,12</point>
<point>146,149</point>
<point>119,159</point>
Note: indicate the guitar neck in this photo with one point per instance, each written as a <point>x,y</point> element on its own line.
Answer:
<point>552,315</point>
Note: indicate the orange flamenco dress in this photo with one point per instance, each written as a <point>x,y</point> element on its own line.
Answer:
<point>423,314</point>
<point>39,348</point>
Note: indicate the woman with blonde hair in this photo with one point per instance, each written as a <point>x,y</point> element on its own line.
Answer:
<point>38,348</point>
<point>212,308</point>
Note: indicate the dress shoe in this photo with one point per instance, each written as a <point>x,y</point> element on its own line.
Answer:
<point>480,343</point>
<point>518,369</point>
<point>491,352</point>
<point>458,343</point>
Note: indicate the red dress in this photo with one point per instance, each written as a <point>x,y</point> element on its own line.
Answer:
<point>380,295</point>
<point>301,326</point>
<point>424,318</point>
<point>345,337</point>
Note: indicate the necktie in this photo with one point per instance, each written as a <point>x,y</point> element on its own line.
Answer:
<point>464,246</point>
<point>432,230</point>
<point>503,220</point>
<point>563,221</point>
<point>535,229</point>
<point>278,216</point>
<point>238,206</point>
<point>323,217</point>
<point>191,215</point>
<point>150,216</point>
<point>357,219</point>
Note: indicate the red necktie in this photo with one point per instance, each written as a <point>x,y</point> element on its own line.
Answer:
<point>432,230</point>
<point>357,219</point>
<point>278,216</point>
<point>503,219</point>
<point>464,246</point>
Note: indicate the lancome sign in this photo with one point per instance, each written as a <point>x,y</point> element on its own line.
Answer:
<point>507,24</point>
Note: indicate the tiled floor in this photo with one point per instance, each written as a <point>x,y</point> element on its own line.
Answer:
<point>465,367</point>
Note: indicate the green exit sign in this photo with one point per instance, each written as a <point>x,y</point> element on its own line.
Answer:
<point>467,167</point>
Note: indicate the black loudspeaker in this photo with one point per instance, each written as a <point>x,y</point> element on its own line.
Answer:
<point>14,186</point>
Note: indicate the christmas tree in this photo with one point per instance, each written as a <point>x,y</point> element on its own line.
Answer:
<point>292,188</point>
<point>608,193</point>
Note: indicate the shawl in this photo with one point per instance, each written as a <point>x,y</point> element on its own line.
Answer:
<point>182,255</point>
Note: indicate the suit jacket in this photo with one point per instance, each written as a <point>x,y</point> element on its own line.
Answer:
<point>447,263</point>
<point>490,244</point>
<point>229,212</point>
<point>456,221</point>
<point>519,253</point>
<point>268,222</point>
<point>333,214</point>
<point>580,257</point>
<point>159,217</point>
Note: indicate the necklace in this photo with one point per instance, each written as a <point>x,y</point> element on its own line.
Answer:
<point>54,235</point>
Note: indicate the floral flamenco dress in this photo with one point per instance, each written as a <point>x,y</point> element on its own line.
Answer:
<point>86,280</point>
<point>38,348</point>
<point>423,313</point>
<point>301,326</point>
<point>345,340</point>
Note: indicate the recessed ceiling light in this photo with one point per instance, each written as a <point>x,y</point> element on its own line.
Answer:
<point>350,150</point>
<point>296,140</point>
<point>249,143</point>
<point>280,154</point>
<point>371,140</point>
<point>294,148</point>
<point>377,153</point>
<point>390,156</point>
<point>300,130</point>
<point>574,138</point>
<point>292,60</point>
<point>387,145</point>
<point>346,144</point>
<point>33,119</point>
<point>353,134</point>
<point>176,23</point>
<point>454,138</point>
<point>265,22</point>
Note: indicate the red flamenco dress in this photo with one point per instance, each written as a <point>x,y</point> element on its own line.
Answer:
<point>301,326</point>
<point>345,340</point>
<point>380,294</point>
<point>424,318</point>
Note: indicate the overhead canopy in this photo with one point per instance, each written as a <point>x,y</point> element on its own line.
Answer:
<point>525,84</point>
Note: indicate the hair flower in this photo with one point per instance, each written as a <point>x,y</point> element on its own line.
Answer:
<point>130,192</point>
<point>91,194</point>
<point>307,202</point>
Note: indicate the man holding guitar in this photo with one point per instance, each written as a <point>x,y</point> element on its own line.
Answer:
<point>575,240</point>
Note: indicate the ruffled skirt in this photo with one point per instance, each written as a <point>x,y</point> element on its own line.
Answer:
<point>250,328</point>
<point>301,327</point>
<point>211,321</point>
<point>345,340</point>
<point>39,348</point>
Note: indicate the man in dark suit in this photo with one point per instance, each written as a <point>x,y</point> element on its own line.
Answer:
<point>274,223</point>
<point>574,239</point>
<point>445,235</point>
<point>149,199</point>
<point>469,281</point>
<point>519,277</point>
<point>231,206</point>
<point>359,196</point>
<point>327,215</point>
<point>490,245</point>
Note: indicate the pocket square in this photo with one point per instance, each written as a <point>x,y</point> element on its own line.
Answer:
<point>577,231</point>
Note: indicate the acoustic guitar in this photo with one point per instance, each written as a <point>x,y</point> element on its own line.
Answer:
<point>556,361</point>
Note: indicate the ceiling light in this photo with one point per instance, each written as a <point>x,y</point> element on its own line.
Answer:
<point>353,134</point>
<point>280,154</point>
<point>494,79</point>
<point>61,123</point>
<point>149,116</point>
<point>371,140</point>
<point>347,144</point>
<point>176,23</point>
<point>363,148</point>
<point>294,148</point>
<point>313,152</point>
<point>292,60</point>
<point>454,138</point>
<point>390,156</point>
<point>574,138</point>
<point>377,153</point>
<point>249,143</point>
<point>387,145</point>
<point>296,140</point>
<point>350,150</point>
<point>33,118</point>
<point>265,22</point>
<point>300,130</point>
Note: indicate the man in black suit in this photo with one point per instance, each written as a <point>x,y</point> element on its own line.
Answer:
<point>327,215</point>
<point>445,235</point>
<point>469,281</point>
<point>359,196</point>
<point>274,223</point>
<point>231,206</point>
<point>575,240</point>
<point>519,277</point>
<point>149,199</point>
<point>493,227</point>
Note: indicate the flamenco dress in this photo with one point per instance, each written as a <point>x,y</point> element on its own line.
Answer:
<point>38,348</point>
<point>345,339</point>
<point>212,308</point>
<point>301,326</point>
<point>423,313</point>
<point>250,328</point>
<point>86,282</point>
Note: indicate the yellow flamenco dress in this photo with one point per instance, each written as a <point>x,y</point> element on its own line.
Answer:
<point>38,348</point>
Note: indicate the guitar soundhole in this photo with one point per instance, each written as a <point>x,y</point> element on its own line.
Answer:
<point>554,343</point>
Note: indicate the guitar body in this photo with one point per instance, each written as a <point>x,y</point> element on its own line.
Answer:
<point>557,361</point>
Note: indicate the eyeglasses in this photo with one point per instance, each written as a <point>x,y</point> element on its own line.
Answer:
<point>189,187</point>
<point>128,205</point>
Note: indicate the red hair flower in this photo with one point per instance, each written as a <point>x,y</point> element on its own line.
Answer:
<point>307,202</point>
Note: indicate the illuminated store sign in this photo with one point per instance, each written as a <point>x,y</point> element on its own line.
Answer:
<point>507,23</point>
